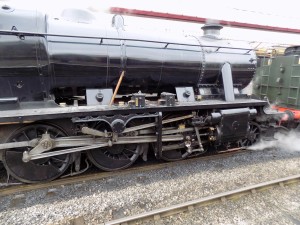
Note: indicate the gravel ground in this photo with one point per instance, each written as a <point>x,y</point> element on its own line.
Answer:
<point>275,206</point>
<point>112,198</point>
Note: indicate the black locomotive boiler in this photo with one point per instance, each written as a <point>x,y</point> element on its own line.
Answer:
<point>74,89</point>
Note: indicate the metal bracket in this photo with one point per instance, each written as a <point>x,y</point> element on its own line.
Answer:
<point>199,139</point>
<point>110,119</point>
<point>90,131</point>
<point>185,94</point>
<point>159,134</point>
<point>46,143</point>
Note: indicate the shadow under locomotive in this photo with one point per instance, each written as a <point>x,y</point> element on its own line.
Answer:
<point>145,178</point>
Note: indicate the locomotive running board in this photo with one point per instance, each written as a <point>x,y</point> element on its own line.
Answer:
<point>30,112</point>
<point>9,103</point>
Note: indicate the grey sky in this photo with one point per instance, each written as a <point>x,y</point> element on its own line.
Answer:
<point>267,12</point>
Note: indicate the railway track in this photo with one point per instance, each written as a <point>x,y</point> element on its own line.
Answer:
<point>21,188</point>
<point>157,214</point>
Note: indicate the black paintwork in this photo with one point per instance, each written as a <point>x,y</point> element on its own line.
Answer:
<point>56,54</point>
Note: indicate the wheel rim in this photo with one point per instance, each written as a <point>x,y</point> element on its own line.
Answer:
<point>253,135</point>
<point>39,170</point>
<point>115,157</point>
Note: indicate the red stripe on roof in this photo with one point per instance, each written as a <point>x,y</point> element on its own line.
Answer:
<point>153,14</point>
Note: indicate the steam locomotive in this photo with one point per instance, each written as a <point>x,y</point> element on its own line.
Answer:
<point>277,79</point>
<point>75,90</point>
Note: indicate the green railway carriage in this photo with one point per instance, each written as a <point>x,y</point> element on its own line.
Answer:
<point>278,79</point>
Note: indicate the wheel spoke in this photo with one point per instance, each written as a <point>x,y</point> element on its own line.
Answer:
<point>57,159</point>
<point>26,136</point>
<point>129,150</point>
<point>127,157</point>
<point>254,134</point>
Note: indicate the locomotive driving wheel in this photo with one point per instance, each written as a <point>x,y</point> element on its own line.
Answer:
<point>176,154</point>
<point>116,157</point>
<point>253,135</point>
<point>176,150</point>
<point>39,170</point>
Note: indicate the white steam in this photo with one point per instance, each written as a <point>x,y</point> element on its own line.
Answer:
<point>284,142</point>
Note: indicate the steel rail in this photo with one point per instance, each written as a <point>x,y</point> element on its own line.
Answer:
<point>16,189</point>
<point>190,205</point>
